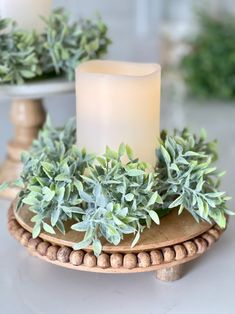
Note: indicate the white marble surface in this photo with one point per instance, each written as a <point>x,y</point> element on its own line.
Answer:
<point>31,286</point>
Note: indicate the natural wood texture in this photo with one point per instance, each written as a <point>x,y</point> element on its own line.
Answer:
<point>27,115</point>
<point>170,273</point>
<point>165,258</point>
<point>172,230</point>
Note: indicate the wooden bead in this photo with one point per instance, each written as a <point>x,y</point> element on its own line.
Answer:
<point>191,248</point>
<point>180,252</point>
<point>25,238</point>
<point>143,259</point>
<point>42,248</point>
<point>168,254</point>
<point>217,228</point>
<point>33,243</point>
<point>209,238</point>
<point>52,252</point>
<point>215,233</point>
<point>11,216</point>
<point>130,261</point>
<point>13,226</point>
<point>76,257</point>
<point>63,254</point>
<point>116,260</point>
<point>103,260</point>
<point>201,245</point>
<point>19,232</point>
<point>89,260</point>
<point>156,257</point>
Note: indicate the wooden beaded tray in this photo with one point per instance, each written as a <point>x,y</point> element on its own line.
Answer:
<point>164,248</point>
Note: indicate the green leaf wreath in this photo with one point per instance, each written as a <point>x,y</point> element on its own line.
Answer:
<point>209,66</point>
<point>57,51</point>
<point>106,197</point>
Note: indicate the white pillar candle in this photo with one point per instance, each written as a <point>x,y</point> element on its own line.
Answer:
<point>118,102</point>
<point>26,12</point>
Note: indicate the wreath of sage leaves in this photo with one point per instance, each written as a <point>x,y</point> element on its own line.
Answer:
<point>56,51</point>
<point>112,195</point>
<point>65,44</point>
<point>188,179</point>
<point>18,55</point>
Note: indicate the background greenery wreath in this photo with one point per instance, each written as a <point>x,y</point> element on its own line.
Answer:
<point>56,51</point>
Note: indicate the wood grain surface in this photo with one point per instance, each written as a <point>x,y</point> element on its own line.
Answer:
<point>173,229</point>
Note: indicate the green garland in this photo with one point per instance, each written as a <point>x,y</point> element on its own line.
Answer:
<point>57,51</point>
<point>105,197</point>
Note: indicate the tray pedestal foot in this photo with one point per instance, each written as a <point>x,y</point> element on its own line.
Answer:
<point>170,273</point>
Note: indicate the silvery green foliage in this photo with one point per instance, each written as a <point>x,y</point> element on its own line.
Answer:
<point>50,178</point>
<point>57,51</point>
<point>188,179</point>
<point>119,198</point>
<point>18,56</point>
<point>112,195</point>
<point>65,44</point>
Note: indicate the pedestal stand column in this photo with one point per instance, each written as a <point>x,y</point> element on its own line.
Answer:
<point>28,116</point>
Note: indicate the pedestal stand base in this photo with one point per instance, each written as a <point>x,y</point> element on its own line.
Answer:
<point>159,249</point>
<point>28,116</point>
<point>170,273</point>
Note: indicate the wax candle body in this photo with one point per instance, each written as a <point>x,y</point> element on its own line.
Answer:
<point>118,102</point>
<point>26,12</point>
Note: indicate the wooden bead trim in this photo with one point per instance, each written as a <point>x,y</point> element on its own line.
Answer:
<point>174,254</point>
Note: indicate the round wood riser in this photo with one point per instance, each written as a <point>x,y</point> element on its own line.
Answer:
<point>166,261</point>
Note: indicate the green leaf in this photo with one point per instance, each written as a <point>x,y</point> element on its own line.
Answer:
<point>181,209</point>
<point>154,217</point>
<point>82,245</point>
<point>85,196</point>
<point>29,200</point>
<point>36,230</point>
<point>121,150</point>
<point>165,155</point>
<point>135,172</point>
<point>129,197</point>
<point>18,183</point>
<point>155,198</point>
<point>55,216</point>
<point>62,177</point>
<point>80,226</point>
<point>178,201</point>
<point>48,194</point>
<point>48,228</point>
<point>60,226</point>
<point>200,206</point>
<point>129,152</point>
<point>136,239</point>
<point>97,247</point>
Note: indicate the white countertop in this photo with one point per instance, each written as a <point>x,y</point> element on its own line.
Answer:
<point>31,286</point>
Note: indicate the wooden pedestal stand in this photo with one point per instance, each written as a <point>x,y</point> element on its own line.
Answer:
<point>27,115</point>
<point>163,248</point>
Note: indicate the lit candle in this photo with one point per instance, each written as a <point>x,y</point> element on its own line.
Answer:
<point>118,102</point>
<point>26,12</point>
